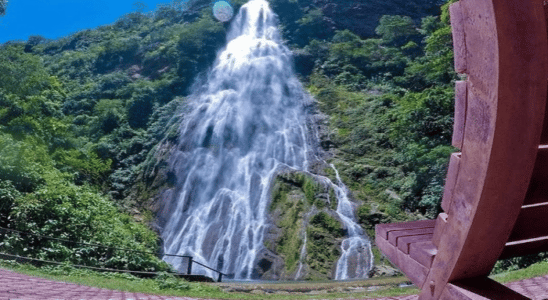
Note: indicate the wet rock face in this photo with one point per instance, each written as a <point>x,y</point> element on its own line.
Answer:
<point>384,271</point>
<point>269,266</point>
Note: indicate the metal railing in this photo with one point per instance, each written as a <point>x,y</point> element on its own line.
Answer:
<point>191,260</point>
<point>188,257</point>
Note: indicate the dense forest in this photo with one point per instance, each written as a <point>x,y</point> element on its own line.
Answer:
<point>83,118</point>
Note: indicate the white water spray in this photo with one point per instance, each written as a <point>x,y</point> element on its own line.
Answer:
<point>246,122</point>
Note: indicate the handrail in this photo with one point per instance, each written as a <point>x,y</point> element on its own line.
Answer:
<point>220,273</point>
<point>189,270</point>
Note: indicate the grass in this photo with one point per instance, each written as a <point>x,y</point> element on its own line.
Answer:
<point>534,270</point>
<point>169,286</point>
<point>165,285</point>
<point>226,290</point>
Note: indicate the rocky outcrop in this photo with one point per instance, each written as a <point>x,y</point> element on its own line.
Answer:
<point>304,232</point>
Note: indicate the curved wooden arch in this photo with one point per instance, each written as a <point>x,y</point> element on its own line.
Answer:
<point>502,47</point>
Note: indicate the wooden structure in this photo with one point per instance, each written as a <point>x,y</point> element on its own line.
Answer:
<point>495,201</point>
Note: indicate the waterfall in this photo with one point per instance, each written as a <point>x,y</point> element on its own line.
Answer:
<point>356,259</point>
<point>245,123</point>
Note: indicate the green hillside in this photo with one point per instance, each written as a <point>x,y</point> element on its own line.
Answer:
<point>86,120</point>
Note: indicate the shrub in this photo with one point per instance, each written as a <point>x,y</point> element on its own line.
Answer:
<point>63,210</point>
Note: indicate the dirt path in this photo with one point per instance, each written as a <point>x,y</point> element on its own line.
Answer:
<point>316,288</point>
<point>18,286</point>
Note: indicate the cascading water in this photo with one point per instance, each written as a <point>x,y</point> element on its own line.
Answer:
<point>356,259</point>
<point>244,124</point>
<point>247,121</point>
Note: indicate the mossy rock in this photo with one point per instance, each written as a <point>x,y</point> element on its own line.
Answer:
<point>302,205</point>
<point>324,237</point>
<point>287,209</point>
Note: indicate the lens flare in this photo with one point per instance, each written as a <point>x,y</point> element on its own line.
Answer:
<point>223,11</point>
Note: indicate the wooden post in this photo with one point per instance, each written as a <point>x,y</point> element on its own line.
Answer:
<point>189,270</point>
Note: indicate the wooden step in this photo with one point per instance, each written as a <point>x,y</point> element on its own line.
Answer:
<point>531,223</point>
<point>404,243</point>
<point>395,237</point>
<point>525,247</point>
<point>384,229</point>
<point>538,186</point>
<point>423,252</point>
<point>530,232</point>
<point>409,246</point>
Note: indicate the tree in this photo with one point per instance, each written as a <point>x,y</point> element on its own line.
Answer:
<point>139,6</point>
<point>3,5</point>
<point>396,30</point>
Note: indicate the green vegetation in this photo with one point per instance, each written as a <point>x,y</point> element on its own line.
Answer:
<point>169,286</point>
<point>163,284</point>
<point>79,117</point>
<point>323,244</point>
<point>389,99</point>
<point>533,270</point>
<point>86,122</point>
<point>300,206</point>
<point>288,204</point>
<point>294,196</point>
<point>390,103</point>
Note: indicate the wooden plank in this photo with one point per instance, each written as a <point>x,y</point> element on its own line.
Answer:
<point>423,253</point>
<point>450,181</point>
<point>525,247</point>
<point>383,229</point>
<point>461,99</point>
<point>405,242</point>
<point>537,191</point>
<point>459,42</point>
<point>531,223</point>
<point>415,271</point>
<point>501,135</point>
<point>544,136</point>
<point>395,236</point>
<point>441,223</point>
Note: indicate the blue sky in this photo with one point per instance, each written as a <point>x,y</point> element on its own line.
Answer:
<point>57,18</point>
